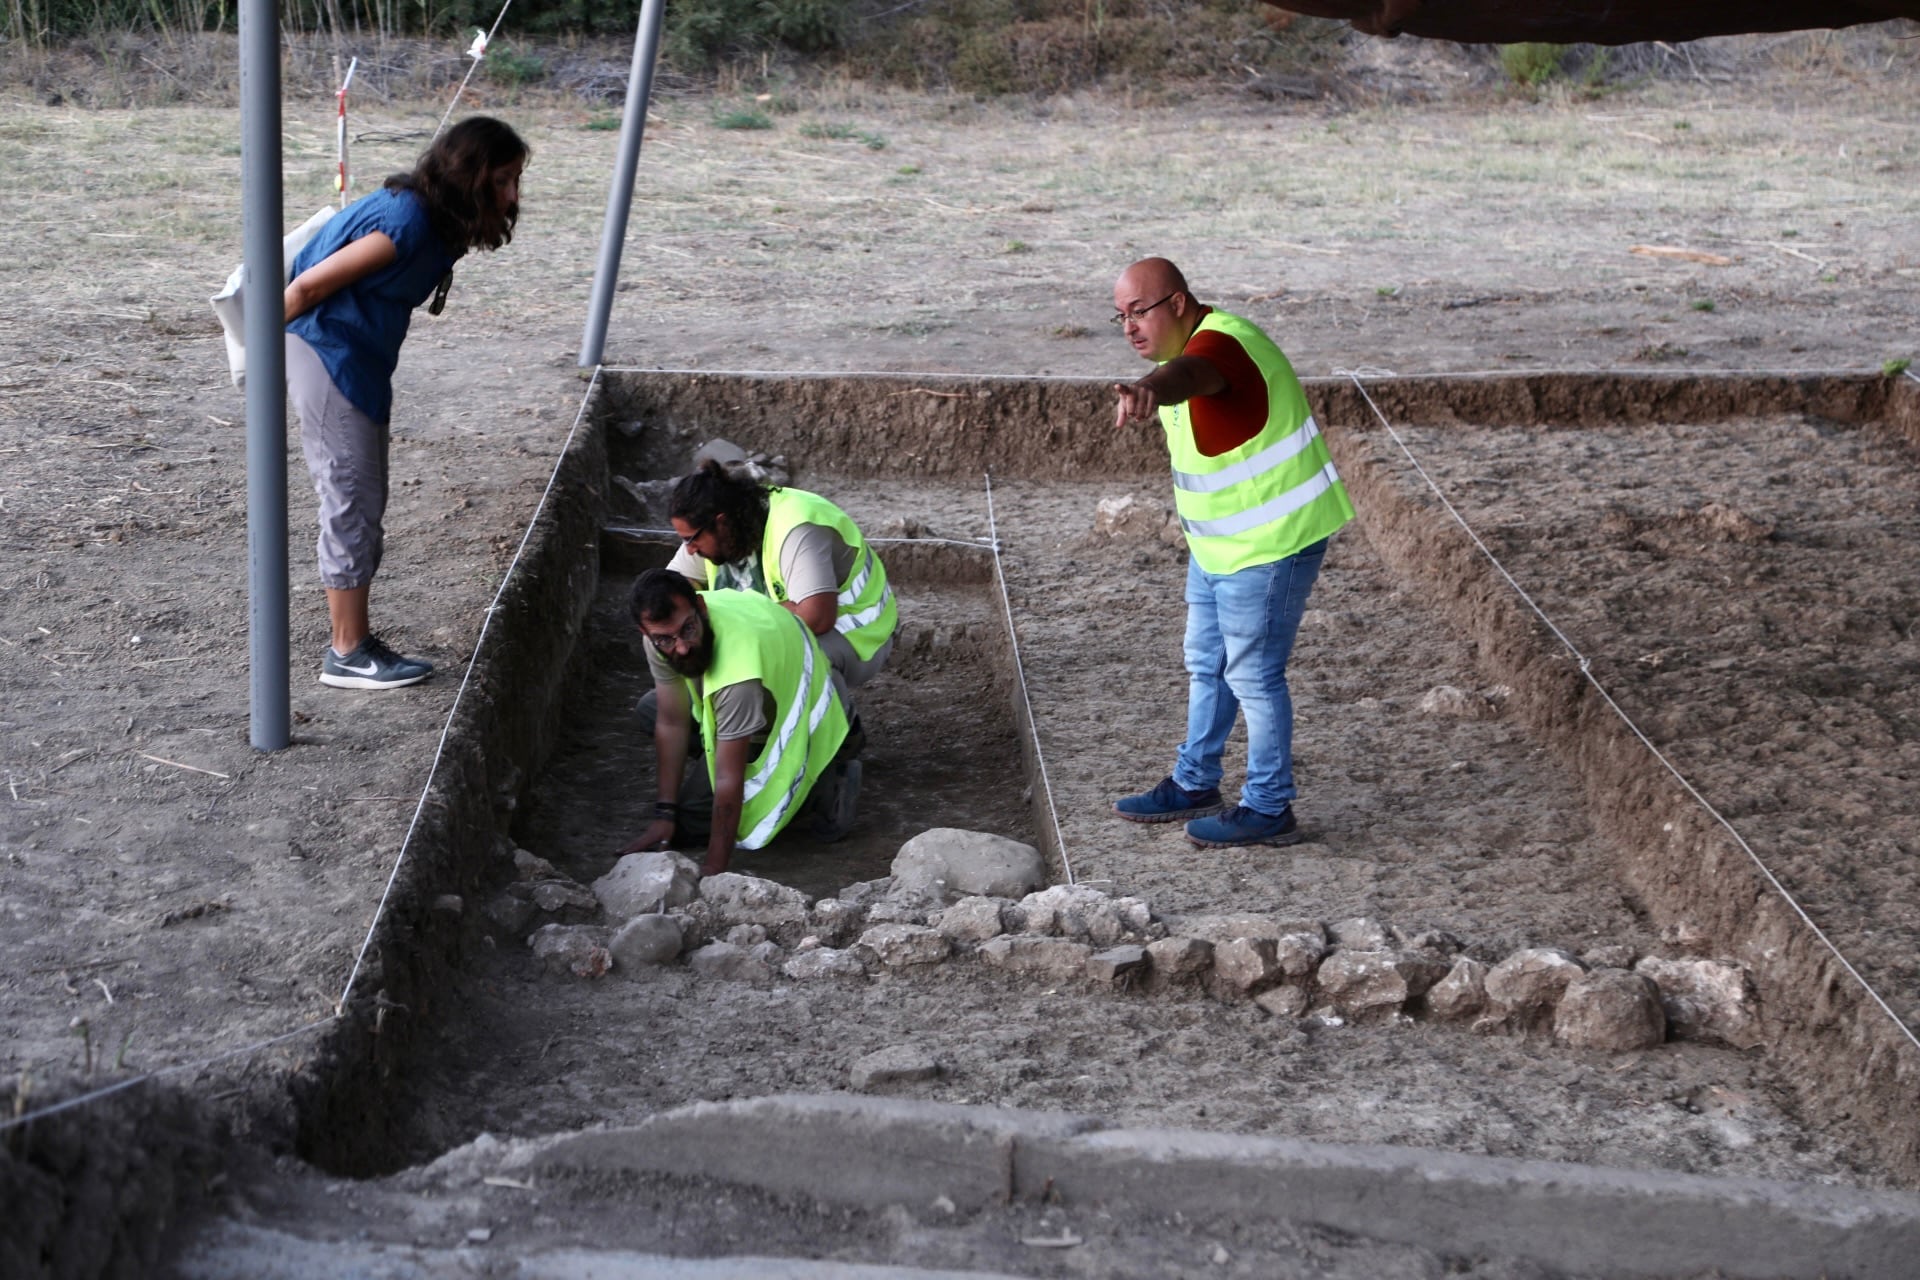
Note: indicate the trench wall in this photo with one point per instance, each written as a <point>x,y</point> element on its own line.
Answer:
<point>1856,1066</point>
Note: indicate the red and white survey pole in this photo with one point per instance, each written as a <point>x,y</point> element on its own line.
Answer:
<point>340,182</point>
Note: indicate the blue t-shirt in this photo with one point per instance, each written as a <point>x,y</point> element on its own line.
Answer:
<point>358,331</point>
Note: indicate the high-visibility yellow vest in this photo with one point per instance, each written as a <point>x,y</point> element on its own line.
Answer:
<point>866,612</point>
<point>1271,496</point>
<point>756,639</point>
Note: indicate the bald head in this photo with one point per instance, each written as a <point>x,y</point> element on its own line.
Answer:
<point>1154,310</point>
<point>1152,277</point>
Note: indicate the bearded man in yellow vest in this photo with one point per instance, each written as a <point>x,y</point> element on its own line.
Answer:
<point>750,677</point>
<point>795,547</point>
<point>1258,498</point>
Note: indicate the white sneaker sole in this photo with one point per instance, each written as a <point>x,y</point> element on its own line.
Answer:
<point>368,682</point>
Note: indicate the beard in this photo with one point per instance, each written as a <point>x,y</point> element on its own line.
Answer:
<point>694,662</point>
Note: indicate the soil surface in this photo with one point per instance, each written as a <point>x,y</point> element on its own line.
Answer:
<point>172,896</point>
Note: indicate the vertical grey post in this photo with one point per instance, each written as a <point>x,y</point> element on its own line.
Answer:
<point>265,273</point>
<point>633,123</point>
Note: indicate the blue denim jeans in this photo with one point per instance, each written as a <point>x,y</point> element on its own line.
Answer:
<point>1240,630</point>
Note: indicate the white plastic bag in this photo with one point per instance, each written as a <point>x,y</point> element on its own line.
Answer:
<point>230,304</point>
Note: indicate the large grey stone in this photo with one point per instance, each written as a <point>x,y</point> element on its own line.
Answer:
<point>1707,1000</point>
<point>648,882</point>
<point>1611,1010</point>
<point>951,864</point>
<point>646,940</point>
<point>898,946</point>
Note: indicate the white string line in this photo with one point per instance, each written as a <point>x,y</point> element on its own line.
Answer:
<point>1586,671</point>
<point>1646,375</point>
<point>972,544</point>
<point>473,68</point>
<point>339,1006</point>
<point>1020,672</point>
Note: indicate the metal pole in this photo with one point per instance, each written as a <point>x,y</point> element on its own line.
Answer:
<point>633,123</point>
<point>263,287</point>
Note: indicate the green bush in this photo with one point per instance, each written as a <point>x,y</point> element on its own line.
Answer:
<point>1532,64</point>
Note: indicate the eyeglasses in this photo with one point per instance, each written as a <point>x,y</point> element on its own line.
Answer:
<point>1120,318</point>
<point>682,635</point>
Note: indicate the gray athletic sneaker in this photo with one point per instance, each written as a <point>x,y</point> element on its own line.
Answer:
<point>371,666</point>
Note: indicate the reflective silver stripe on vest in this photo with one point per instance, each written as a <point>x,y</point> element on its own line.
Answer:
<point>1267,512</point>
<point>859,584</point>
<point>846,622</point>
<point>1249,468</point>
<point>789,726</point>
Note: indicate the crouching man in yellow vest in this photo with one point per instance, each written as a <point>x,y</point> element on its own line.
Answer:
<point>768,711</point>
<point>1258,498</point>
<point>795,547</point>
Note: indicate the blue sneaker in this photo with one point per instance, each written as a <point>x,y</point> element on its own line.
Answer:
<point>1167,802</point>
<point>371,666</point>
<point>1241,825</point>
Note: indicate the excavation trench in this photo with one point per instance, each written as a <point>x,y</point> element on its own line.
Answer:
<point>1544,823</point>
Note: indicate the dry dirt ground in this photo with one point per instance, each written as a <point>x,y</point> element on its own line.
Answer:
<point>169,896</point>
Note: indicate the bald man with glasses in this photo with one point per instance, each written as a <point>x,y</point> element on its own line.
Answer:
<point>1258,499</point>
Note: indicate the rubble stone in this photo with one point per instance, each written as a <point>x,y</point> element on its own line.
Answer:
<point>572,902</point>
<point>1117,965</point>
<point>1611,956</point>
<point>896,1064</point>
<point>511,913</point>
<point>1445,700</point>
<point>835,922</point>
<point>949,864</point>
<point>1710,1000</point>
<point>1462,993</point>
<point>1283,1002</point>
<point>734,964</point>
<point>531,866</point>
<point>1059,959</point>
<point>864,893</point>
<point>1075,911</point>
<point>1129,518</point>
<point>1246,965</point>
<point>1298,954</point>
<point>646,940</point>
<point>578,949</point>
<point>972,919</point>
<point>1360,933</point>
<point>898,946</point>
<point>1611,1010</point>
<point>640,883</point>
<point>824,962</point>
<point>745,935</point>
<point>741,899</point>
<point>1178,959</point>
<point>1524,988</point>
<point>1363,982</point>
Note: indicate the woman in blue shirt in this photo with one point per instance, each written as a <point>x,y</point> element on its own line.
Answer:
<point>353,293</point>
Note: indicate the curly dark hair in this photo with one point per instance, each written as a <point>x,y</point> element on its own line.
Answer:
<point>655,593</point>
<point>453,177</point>
<point>715,491</point>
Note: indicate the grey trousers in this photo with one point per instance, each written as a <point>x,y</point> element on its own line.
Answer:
<point>346,454</point>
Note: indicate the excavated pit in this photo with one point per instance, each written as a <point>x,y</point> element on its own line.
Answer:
<point>1542,824</point>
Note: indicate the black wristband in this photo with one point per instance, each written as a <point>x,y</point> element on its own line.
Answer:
<point>665,809</point>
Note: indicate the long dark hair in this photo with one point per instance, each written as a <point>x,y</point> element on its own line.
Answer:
<point>714,491</point>
<point>452,179</point>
